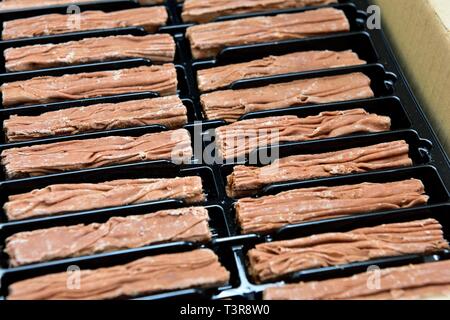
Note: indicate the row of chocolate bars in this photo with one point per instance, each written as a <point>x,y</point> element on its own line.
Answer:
<point>52,173</point>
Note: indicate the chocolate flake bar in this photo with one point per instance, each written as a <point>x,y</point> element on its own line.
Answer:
<point>64,156</point>
<point>30,4</point>
<point>242,137</point>
<point>118,233</point>
<point>63,198</point>
<point>428,281</point>
<point>209,39</point>
<point>247,180</point>
<point>268,260</point>
<point>202,11</point>
<point>53,24</point>
<point>223,76</point>
<point>168,111</point>
<point>161,79</point>
<point>268,213</point>
<point>146,276</point>
<point>230,105</point>
<point>158,48</point>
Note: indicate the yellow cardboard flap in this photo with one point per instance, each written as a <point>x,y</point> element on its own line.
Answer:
<point>419,31</point>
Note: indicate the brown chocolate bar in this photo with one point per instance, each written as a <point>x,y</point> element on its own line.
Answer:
<point>149,275</point>
<point>223,76</point>
<point>161,79</point>
<point>62,198</point>
<point>168,111</point>
<point>64,156</point>
<point>28,4</point>
<point>118,233</point>
<point>230,105</point>
<point>247,180</point>
<point>202,11</point>
<point>428,281</point>
<point>156,47</point>
<point>269,213</point>
<point>150,18</point>
<point>267,261</point>
<point>209,39</point>
<point>242,137</point>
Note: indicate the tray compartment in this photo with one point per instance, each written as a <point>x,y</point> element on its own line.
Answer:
<point>160,169</point>
<point>434,188</point>
<point>437,212</point>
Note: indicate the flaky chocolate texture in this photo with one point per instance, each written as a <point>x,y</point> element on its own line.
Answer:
<point>247,180</point>
<point>209,39</point>
<point>149,275</point>
<point>64,156</point>
<point>268,261</point>
<point>269,213</point>
<point>158,48</point>
<point>242,137</point>
<point>63,198</point>
<point>150,19</point>
<point>230,105</point>
<point>223,76</point>
<point>118,233</point>
<point>168,111</point>
<point>202,11</point>
<point>428,281</point>
<point>161,79</point>
<point>28,4</point>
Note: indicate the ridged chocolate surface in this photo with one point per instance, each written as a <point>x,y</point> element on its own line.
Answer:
<point>429,281</point>
<point>242,137</point>
<point>209,39</point>
<point>158,48</point>
<point>51,24</point>
<point>275,259</point>
<point>266,214</point>
<point>61,198</point>
<point>230,105</point>
<point>119,233</point>
<point>168,111</point>
<point>149,275</point>
<point>204,11</point>
<point>223,76</point>
<point>27,4</point>
<point>64,156</point>
<point>161,79</point>
<point>247,180</point>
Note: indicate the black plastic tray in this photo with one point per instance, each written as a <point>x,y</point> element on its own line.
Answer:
<point>393,98</point>
<point>438,212</point>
